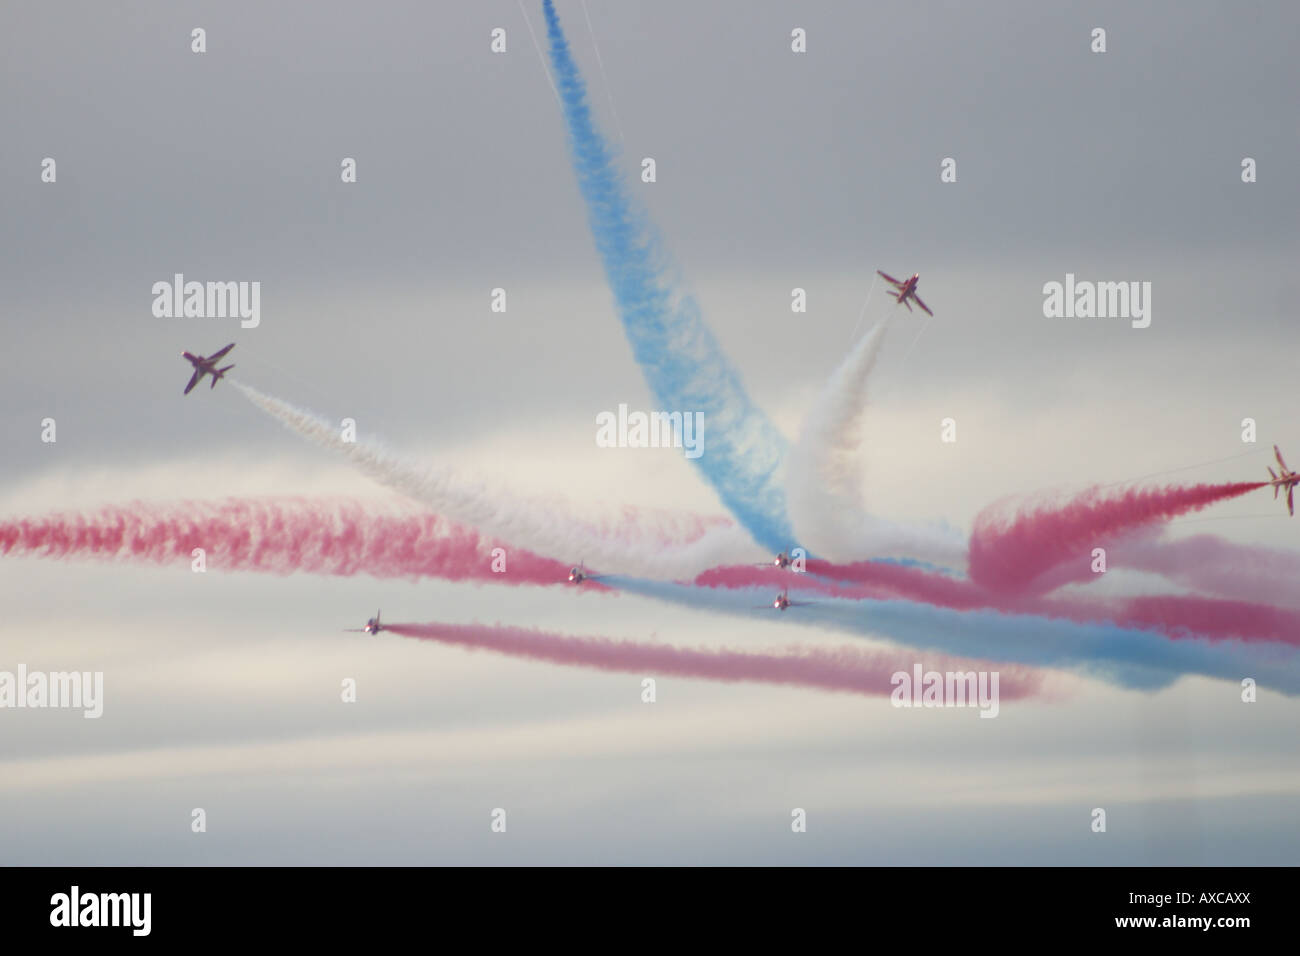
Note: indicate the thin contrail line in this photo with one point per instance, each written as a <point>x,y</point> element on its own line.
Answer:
<point>1171,471</point>
<point>1261,514</point>
<point>863,311</point>
<point>540,56</point>
<point>600,62</point>
<point>925,325</point>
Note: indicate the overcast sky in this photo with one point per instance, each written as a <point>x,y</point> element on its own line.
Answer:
<point>775,170</point>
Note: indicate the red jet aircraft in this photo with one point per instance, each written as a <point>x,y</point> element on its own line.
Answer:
<point>782,602</point>
<point>372,626</point>
<point>207,366</point>
<point>1288,480</point>
<point>579,573</point>
<point>906,290</point>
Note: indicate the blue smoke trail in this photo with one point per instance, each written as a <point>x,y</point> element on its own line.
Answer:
<point>681,360</point>
<point>1127,657</point>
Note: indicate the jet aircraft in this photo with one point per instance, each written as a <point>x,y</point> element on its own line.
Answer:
<point>903,291</point>
<point>372,626</point>
<point>1288,480</point>
<point>782,601</point>
<point>207,366</point>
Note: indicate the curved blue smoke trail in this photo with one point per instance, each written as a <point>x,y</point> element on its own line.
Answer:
<point>678,354</point>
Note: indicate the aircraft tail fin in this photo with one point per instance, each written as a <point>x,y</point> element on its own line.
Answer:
<point>218,373</point>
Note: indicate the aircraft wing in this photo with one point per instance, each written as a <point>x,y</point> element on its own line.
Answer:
<point>194,380</point>
<point>888,278</point>
<point>1278,451</point>
<point>1290,500</point>
<point>922,305</point>
<point>216,355</point>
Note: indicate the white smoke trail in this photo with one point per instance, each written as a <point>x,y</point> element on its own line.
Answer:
<point>824,478</point>
<point>643,543</point>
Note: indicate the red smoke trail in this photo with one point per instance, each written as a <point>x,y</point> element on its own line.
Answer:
<point>912,583</point>
<point>1008,554</point>
<point>864,579</point>
<point>842,669</point>
<point>746,576</point>
<point>280,536</point>
<point>1203,563</point>
<point>1209,563</point>
<point>1174,616</point>
<point>1180,616</point>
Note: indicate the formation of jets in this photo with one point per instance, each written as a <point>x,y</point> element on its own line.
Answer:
<point>904,293</point>
<point>1288,480</point>
<point>372,626</point>
<point>207,366</point>
<point>906,290</point>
